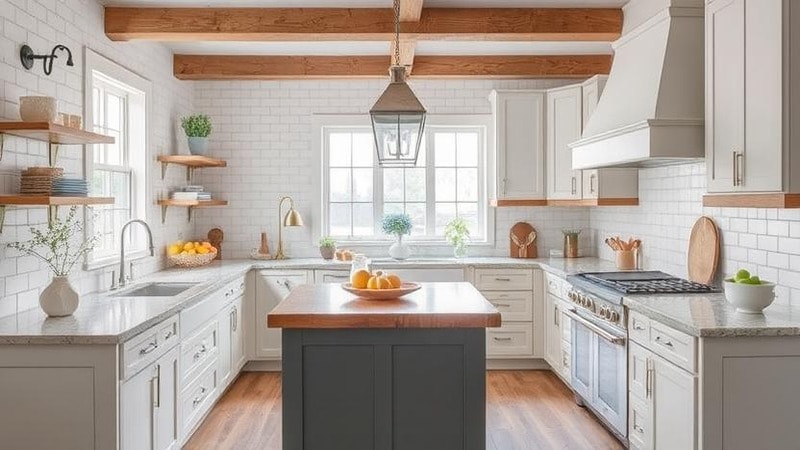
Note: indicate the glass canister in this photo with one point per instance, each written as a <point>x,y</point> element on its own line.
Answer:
<point>571,243</point>
<point>360,261</point>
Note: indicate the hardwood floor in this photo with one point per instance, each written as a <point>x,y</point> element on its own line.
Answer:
<point>525,410</point>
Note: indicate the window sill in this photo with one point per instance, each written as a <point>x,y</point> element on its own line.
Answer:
<point>114,261</point>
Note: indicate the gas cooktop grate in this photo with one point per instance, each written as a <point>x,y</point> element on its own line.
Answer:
<point>667,286</point>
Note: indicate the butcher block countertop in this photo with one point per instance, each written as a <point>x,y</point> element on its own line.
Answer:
<point>436,305</point>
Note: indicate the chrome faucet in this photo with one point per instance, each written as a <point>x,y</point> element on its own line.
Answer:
<point>122,278</point>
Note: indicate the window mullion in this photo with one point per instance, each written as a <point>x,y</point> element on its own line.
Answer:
<point>430,182</point>
<point>377,196</point>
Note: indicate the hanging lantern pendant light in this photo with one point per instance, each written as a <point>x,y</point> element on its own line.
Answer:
<point>398,117</point>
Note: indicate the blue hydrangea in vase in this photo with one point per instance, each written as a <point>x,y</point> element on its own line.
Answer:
<point>398,225</point>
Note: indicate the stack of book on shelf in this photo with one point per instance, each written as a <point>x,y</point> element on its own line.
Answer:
<point>191,193</point>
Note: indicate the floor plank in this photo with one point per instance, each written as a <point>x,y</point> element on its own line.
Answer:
<point>525,410</point>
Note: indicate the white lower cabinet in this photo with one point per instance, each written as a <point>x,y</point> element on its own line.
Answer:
<point>271,288</point>
<point>552,333</point>
<point>231,337</point>
<point>148,406</point>
<point>662,403</point>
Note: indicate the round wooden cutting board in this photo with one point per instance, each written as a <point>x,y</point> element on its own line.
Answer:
<point>703,251</point>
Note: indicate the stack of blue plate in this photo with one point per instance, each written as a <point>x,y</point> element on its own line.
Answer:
<point>70,187</point>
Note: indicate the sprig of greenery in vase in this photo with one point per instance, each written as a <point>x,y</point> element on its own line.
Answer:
<point>196,126</point>
<point>53,245</point>
<point>457,234</point>
<point>397,224</point>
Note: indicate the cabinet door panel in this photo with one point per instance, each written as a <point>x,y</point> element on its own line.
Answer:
<point>725,91</point>
<point>552,333</point>
<point>519,127</point>
<point>563,128</point>
<point>763,149</point>
<point>271,289</point>
<point>137,418</point>
<point>237,336</point>
<point>673,406</point>
<point>166,424</point>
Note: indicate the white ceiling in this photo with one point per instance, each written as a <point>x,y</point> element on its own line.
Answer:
<point>332,48</point>
<point>372,3</point>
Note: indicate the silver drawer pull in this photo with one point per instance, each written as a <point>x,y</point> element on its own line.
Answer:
<point>169,334</point>
<point>664,342</point>
<point>150,348</point>
<point>638,429</point>
<point>499,339</point>
<point>200,352</point>
<point>502,279</point>
<point>197,400</point>
<point>638,327</point>
<point>502,305</point>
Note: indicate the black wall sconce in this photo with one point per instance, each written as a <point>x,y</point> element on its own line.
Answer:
<point>27,57</point>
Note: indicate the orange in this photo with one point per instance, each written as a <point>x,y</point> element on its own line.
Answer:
<point>360,278</point>
<point>394,280</point>
<point>379,281</point>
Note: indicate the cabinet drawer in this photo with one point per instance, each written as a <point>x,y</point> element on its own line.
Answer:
<point>672,345</point>
<point>198,397</point>
<point>513,339</point>
<point>198,349</point>
<point>144,348</point>
<point>233,290</point>
<point>555,285</point>
<point>331,276</point>
<point>514,306</point>
<point>638,328</point>
<point>504,279</point>
<point>638,423</point>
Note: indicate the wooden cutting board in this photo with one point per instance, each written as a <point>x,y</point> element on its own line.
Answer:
<point>703,251</point>
<point>522,239</point>
<point>215,237</point>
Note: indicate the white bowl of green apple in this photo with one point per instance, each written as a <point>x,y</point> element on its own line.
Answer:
<point>748,293</point>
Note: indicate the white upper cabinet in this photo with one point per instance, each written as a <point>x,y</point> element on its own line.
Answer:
<point>564,119</point>
<point>519,144</point>
<point>749,96</point>
<point>591,90</point>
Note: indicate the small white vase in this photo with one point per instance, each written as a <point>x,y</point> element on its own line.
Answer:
<point>400,250</point>
<point>59,299</point>
<point>198,145</point>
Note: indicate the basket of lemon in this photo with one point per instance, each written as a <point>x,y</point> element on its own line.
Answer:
<point>190,254</point>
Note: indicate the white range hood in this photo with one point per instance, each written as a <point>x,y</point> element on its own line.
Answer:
<point>651,111</point>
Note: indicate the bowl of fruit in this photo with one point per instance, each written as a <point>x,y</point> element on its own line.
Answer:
<point>190,254</point>
<point>378,285</point>
<point>748,293</point>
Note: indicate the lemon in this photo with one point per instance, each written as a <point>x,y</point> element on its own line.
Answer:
<point>201,250</point>
<point>173,250</point>
<point>191,252</point>
<point>188,246</point>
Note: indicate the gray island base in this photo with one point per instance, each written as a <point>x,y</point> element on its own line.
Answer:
<point>384,375</point>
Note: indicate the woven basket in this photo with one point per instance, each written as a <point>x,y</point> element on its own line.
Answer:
<point>192,260</point>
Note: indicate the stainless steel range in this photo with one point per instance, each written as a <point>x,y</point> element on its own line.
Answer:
<point>599,370</point>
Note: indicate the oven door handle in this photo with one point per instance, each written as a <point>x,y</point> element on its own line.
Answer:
<point>610,337</point>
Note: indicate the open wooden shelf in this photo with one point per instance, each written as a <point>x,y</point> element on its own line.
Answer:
<point>190,204</point>
<point>191,162</point>
<point>52,202</point>
<point>765,200</point>
<point>567,203</point>
<point>53,133</point>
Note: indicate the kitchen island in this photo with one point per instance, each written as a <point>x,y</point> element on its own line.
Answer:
<point>397,374</point>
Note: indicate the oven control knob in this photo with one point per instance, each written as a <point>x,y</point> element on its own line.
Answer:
<point>614,316</point>
<point>571,295</point>
<point>589,303</point>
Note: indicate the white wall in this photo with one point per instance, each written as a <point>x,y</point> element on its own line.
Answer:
<point>764,241</point>
<point>264,131</point>
<point>77,24</point>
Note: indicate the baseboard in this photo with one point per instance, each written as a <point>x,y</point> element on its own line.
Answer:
<point>517,364</point>
<point>262,366</point>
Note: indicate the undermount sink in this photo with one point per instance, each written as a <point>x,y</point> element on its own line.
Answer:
<point>156,290</point>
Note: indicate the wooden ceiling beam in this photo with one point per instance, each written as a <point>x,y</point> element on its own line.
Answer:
<point>410,10</point>
<point>361,24</point>
<point>244,67</point>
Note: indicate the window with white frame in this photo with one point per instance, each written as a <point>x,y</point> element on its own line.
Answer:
<point>117,170</point>
<point>448,181</point>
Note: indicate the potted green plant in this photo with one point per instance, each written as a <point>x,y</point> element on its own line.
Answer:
<point>398,225</point>
<point>457,234</point>
<point>54,248</point>
<point>327,247</point>
<point>197,128</point>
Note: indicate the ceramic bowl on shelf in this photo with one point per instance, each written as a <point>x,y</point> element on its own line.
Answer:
<point>382,294</point>
<point>749,298</point>
<point>38,109</point>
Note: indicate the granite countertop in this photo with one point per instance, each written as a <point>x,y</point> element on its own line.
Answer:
<point>709,315</point>
<point>435,305</point>
<point>104,319</point>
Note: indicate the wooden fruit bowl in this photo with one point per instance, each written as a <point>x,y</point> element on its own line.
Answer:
<point>382,294</point>
<point>192,260</point>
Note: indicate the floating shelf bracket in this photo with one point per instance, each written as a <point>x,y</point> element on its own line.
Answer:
<point>2,217</point>
<point>53,154</point>
<point>189,209</point>
<point>189,172</point>
<point>2,145</point>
